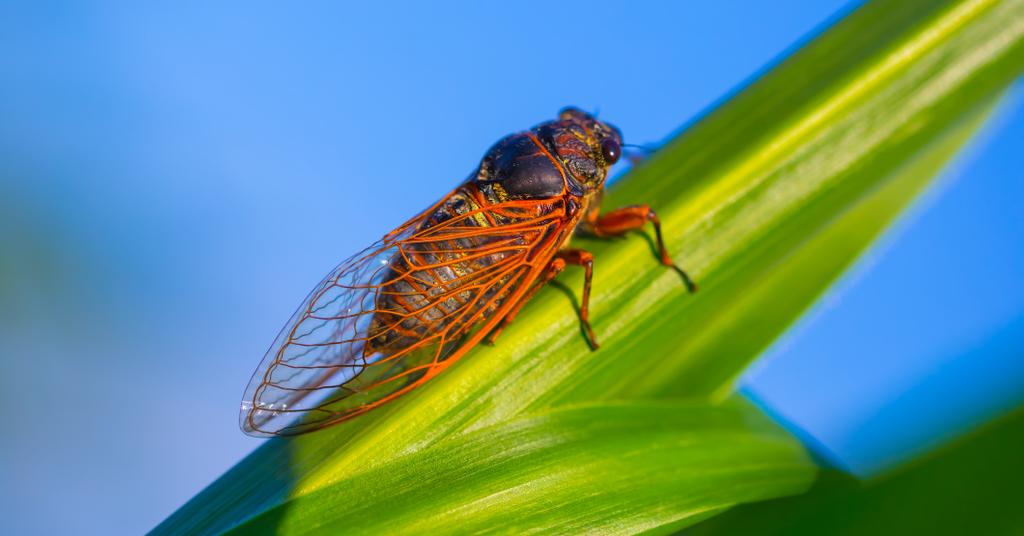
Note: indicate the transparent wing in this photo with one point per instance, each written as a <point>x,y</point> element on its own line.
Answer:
<point>396,314</point>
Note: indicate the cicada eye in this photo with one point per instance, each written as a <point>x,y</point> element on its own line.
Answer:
<point>611,151</point>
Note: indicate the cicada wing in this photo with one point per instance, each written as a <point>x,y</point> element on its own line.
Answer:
<point>386,320</point>
<point>320,348</point>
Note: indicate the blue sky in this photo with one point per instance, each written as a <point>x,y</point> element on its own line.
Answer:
<point>175,178</point>
<point>922,340</point>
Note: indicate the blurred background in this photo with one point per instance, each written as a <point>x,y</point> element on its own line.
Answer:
<point>173,180</point>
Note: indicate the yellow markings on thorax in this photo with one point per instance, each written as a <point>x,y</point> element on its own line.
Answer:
<point>499,191</point>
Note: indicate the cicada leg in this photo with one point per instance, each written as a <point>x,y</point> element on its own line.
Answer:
<point>631,218</point>
<point>614,223</point>
<point>576,257</point>
<point>579,257</point>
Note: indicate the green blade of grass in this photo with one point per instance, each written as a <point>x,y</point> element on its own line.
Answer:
<point>620,468</point>
<point>766,200</point>
<point>969,487</point>
<point>656,338</point>
<point>436,478</point>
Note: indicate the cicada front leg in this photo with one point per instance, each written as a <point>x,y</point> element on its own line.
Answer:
<point>631,218</point>
<point>579,257</point>
<point>575,257</point>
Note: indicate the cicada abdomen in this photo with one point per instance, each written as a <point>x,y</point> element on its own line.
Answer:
<point>471,257</point>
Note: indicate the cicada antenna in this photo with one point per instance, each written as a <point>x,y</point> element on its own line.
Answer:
<point>637,153</point>
<point>645,148</point>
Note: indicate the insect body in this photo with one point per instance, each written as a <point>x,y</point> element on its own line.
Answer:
<point>399,312</point>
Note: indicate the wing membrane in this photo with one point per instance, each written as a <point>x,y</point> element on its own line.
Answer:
<point>397,313</point>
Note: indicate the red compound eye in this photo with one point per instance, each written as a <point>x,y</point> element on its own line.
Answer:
<point>611,151</point>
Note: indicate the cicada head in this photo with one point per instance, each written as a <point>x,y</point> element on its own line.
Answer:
<point>586,146</point>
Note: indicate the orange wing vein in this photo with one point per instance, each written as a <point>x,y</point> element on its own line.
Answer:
<point>396,314</point>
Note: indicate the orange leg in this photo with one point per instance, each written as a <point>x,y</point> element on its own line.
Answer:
<point>576,257</point>
<point>631,218</point>
<point>579,257</point>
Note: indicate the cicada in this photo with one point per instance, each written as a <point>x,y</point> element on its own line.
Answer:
<point>398,313</point>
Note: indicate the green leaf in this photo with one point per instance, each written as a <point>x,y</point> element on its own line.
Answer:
<point>766,201</point>
<point>969,487</point>
<point>620,467</point>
